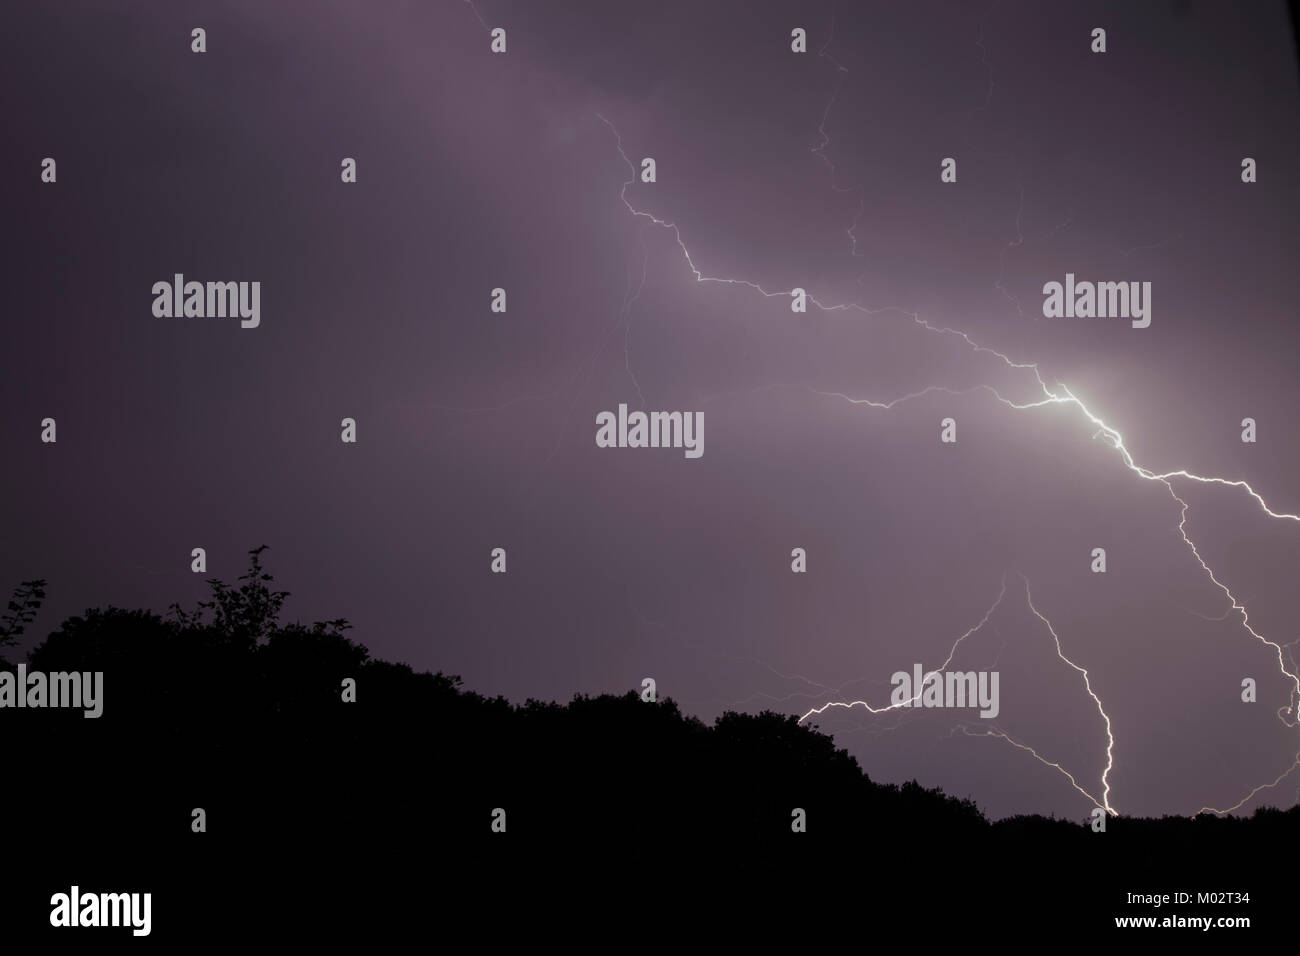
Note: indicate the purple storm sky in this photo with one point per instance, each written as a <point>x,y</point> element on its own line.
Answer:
<point>476,430</point>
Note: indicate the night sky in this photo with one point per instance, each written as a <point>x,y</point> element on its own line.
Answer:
<point>476,430</point>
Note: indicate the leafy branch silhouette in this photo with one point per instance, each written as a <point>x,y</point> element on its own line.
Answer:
<point>249,612</point>
<point>24,604</point>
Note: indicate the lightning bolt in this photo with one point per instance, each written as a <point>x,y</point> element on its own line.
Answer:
<point>1104,803</point>
<point>1087,683</point>
<point>1048,395</point>
<point>994,732</point>
<point>1263,786</point>
<point>820,149</point>
<point>470,3</point>
<point>908,703</point>
<point>1060,394</point>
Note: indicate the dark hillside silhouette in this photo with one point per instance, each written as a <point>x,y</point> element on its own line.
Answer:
<point>226,708</point>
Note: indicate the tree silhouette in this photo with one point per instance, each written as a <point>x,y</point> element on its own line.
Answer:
<point>24,604</point>
<point>249,612</point>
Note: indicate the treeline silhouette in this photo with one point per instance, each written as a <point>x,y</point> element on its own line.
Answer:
<point>226,708</point>
<point>227,698</point>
